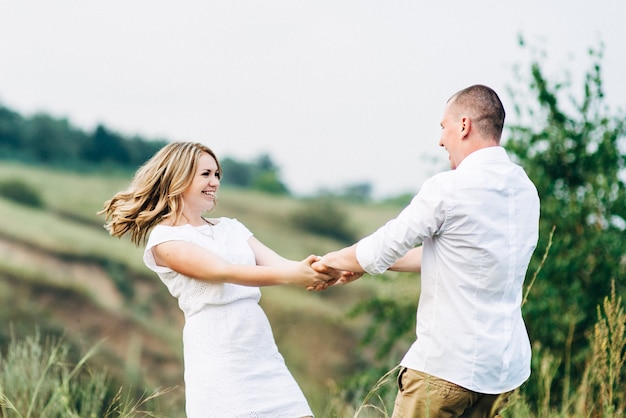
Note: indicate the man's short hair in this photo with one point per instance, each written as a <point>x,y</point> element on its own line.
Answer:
<point>484,108</point>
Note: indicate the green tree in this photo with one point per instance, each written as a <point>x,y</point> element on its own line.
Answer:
<point>267,176</point>
<point>572,147</point>
<point>141,150</point>
<point>11,132</point>
<point>574,151</point>
<point>236,173</point>
<point>261,174</point>
<point>107,146</point>
<point>51,140</point>
<point>44,139</point>
<point>269,182</point>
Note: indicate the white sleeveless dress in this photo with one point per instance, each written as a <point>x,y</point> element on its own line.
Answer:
<point>232,366</point>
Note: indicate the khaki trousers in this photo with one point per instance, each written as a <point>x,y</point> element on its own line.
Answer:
<point>421,395</point>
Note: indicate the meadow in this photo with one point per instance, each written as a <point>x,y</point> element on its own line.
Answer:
<point>62,275</point>
<point>85,323</point>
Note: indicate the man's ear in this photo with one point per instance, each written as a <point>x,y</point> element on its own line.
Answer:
<point>466,124</point>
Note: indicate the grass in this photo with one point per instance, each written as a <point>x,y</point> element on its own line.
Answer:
<point>69,197</point>
<point>37,379</point>
<point>52,260</point>
<point>56,234</point>
<point>600,392</point>
<point>80,195</point>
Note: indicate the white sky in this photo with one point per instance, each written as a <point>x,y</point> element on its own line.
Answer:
<point>337,92</point>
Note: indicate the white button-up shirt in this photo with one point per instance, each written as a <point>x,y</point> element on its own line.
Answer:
<point>479,227</point>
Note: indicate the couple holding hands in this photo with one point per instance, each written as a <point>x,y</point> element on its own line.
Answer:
<point>470,231</point>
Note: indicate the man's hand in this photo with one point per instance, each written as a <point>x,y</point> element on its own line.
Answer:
<point>339,276</point>
<point>349,277</point>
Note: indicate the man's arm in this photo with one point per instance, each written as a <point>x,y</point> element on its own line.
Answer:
<point>344,259</point>
<point>410,262</point>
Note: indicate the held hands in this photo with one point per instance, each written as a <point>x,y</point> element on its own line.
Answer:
<point>318,279</point>
<point>315,274</point>
<point>337,276</point>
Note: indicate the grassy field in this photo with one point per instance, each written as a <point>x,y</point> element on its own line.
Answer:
<point>63,278</point>
<point>64,275</point>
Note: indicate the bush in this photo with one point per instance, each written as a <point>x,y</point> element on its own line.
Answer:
<point>599,393</point>
<point>20,192</point>
<point>322,216</point>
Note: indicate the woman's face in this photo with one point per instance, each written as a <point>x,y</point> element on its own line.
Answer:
<point>201,193</point>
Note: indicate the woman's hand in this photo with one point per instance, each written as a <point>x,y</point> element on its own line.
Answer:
<point>314,279</point>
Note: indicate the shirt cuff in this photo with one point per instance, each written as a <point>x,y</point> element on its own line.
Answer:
<point>366,256</point>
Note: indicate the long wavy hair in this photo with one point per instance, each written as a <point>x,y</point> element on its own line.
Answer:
<point>155,193</point>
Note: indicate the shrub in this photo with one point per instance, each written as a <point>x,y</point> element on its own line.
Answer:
<point>600,392</point>
<point>20,192</point>
<point>323,216</point>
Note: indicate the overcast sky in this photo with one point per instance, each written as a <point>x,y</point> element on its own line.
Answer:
<point>337,92</point>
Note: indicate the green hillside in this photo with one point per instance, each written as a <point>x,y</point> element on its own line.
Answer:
<point>61,274</point>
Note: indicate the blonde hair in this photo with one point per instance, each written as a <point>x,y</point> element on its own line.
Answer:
<point>155,193</point>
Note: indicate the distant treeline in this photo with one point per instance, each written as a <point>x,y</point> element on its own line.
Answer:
<point>53,141</point>
<point>43,139</point>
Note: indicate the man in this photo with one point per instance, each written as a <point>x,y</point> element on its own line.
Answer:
<point>478,227</point>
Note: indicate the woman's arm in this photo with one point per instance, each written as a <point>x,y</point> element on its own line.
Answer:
<point>193,261</point>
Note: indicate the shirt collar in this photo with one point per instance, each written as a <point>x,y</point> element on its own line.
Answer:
<point>478,157</point>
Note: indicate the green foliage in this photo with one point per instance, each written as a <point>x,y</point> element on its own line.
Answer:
<point>391,320</point>
<point>38,379</point>
<point>372,399</point>
<point>388,331</point>
<point>52,141</point>
<point>606,367</point>
<point>60,281</point>
<point>400,200</point>
<point>236,173</point>
<point>269,182</point>
<point>107,146</point>
<point>20,192</point>
<point>574,153</point>
<point>356,193</point>
<point>573,150</point>
<point>120,275</point>
<point>315,358</point>
<point>324,216</point>
<point>11,128</point>
<point>261,174</point>
<point>599,394</point>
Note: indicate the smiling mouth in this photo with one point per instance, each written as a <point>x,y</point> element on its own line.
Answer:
<point>211,194</point>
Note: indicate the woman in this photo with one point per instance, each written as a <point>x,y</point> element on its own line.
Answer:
<point>214,267</point>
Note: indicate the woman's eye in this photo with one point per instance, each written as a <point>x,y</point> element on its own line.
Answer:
<point>217,174</point>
